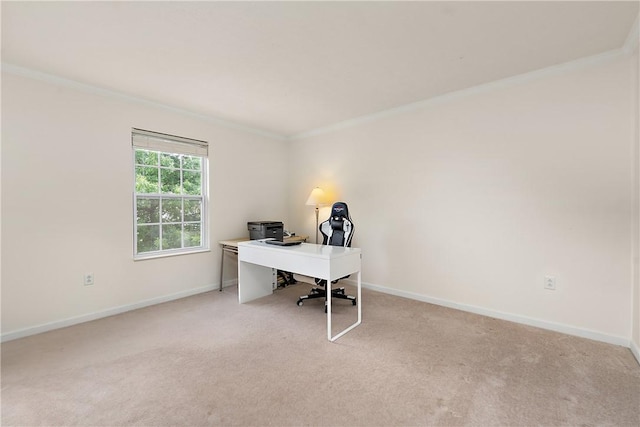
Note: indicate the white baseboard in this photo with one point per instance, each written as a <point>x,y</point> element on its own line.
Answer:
<point>569,330</point>
<point>635,350</point>
<point>543,324</point>
<point>21,333</point>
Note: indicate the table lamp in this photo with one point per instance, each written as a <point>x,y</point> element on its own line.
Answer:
<point>317,199</point>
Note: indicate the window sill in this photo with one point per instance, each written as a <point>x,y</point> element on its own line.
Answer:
<point>155,255</point>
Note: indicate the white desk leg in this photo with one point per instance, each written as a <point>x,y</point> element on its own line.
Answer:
<point>328,290</point>
<point>359,297</point>
<point>254,281</point>
<point>359,303</point>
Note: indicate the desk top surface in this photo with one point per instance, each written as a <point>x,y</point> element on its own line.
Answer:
<point>234,242</point>
<point>303,249</point>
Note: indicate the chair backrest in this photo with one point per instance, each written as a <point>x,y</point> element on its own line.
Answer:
<point>338,229</point>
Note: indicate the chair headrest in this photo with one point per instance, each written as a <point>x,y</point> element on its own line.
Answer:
<point>339,211</point>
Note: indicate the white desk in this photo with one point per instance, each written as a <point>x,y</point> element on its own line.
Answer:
<point>231,246</point>
<point>257,262</point>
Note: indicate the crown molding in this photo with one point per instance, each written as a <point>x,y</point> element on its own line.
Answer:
<point>553,70</point>
<point>62,81</point>
<point>630,45</point>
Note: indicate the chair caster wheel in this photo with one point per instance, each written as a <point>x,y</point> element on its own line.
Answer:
<point>353,302</point>
<point>300,303</point>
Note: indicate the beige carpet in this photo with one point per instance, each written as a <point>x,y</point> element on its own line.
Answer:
<point>206,360</point>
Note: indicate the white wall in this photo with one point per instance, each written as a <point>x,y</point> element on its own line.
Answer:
<point>468,202</point>
<point>67,203</point>
<point>472,200</point>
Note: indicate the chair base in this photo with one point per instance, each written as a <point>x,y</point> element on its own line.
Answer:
<point>322,293</point>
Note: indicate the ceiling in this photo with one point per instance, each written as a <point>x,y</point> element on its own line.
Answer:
<point>291,67</point>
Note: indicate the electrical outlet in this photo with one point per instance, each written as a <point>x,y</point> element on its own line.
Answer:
<point>550,283</point>
<point>88,279</point>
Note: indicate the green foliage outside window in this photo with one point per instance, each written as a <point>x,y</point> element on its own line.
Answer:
<point>168,201</point>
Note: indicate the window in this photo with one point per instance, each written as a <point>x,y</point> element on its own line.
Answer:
<point>170,197</point>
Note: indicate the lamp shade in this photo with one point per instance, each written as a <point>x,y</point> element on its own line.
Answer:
<point>316,198</point>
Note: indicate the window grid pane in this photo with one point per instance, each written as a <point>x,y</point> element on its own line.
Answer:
<point>148,238</point>
<point>192,235</point>
<point>170,181</point>
<point>169,201</point>
<point>148,210</point>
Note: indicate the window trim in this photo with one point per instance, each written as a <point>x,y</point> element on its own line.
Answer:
<point>183,148</point>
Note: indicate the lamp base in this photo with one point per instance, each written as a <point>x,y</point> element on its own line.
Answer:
<point>317,225</point>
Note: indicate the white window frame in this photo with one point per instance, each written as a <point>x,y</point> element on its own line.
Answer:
<point>171,144</point>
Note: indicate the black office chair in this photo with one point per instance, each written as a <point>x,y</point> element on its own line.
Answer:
<point>336,231</point>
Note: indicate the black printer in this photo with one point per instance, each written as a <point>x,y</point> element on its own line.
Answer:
<point>265,230</point>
